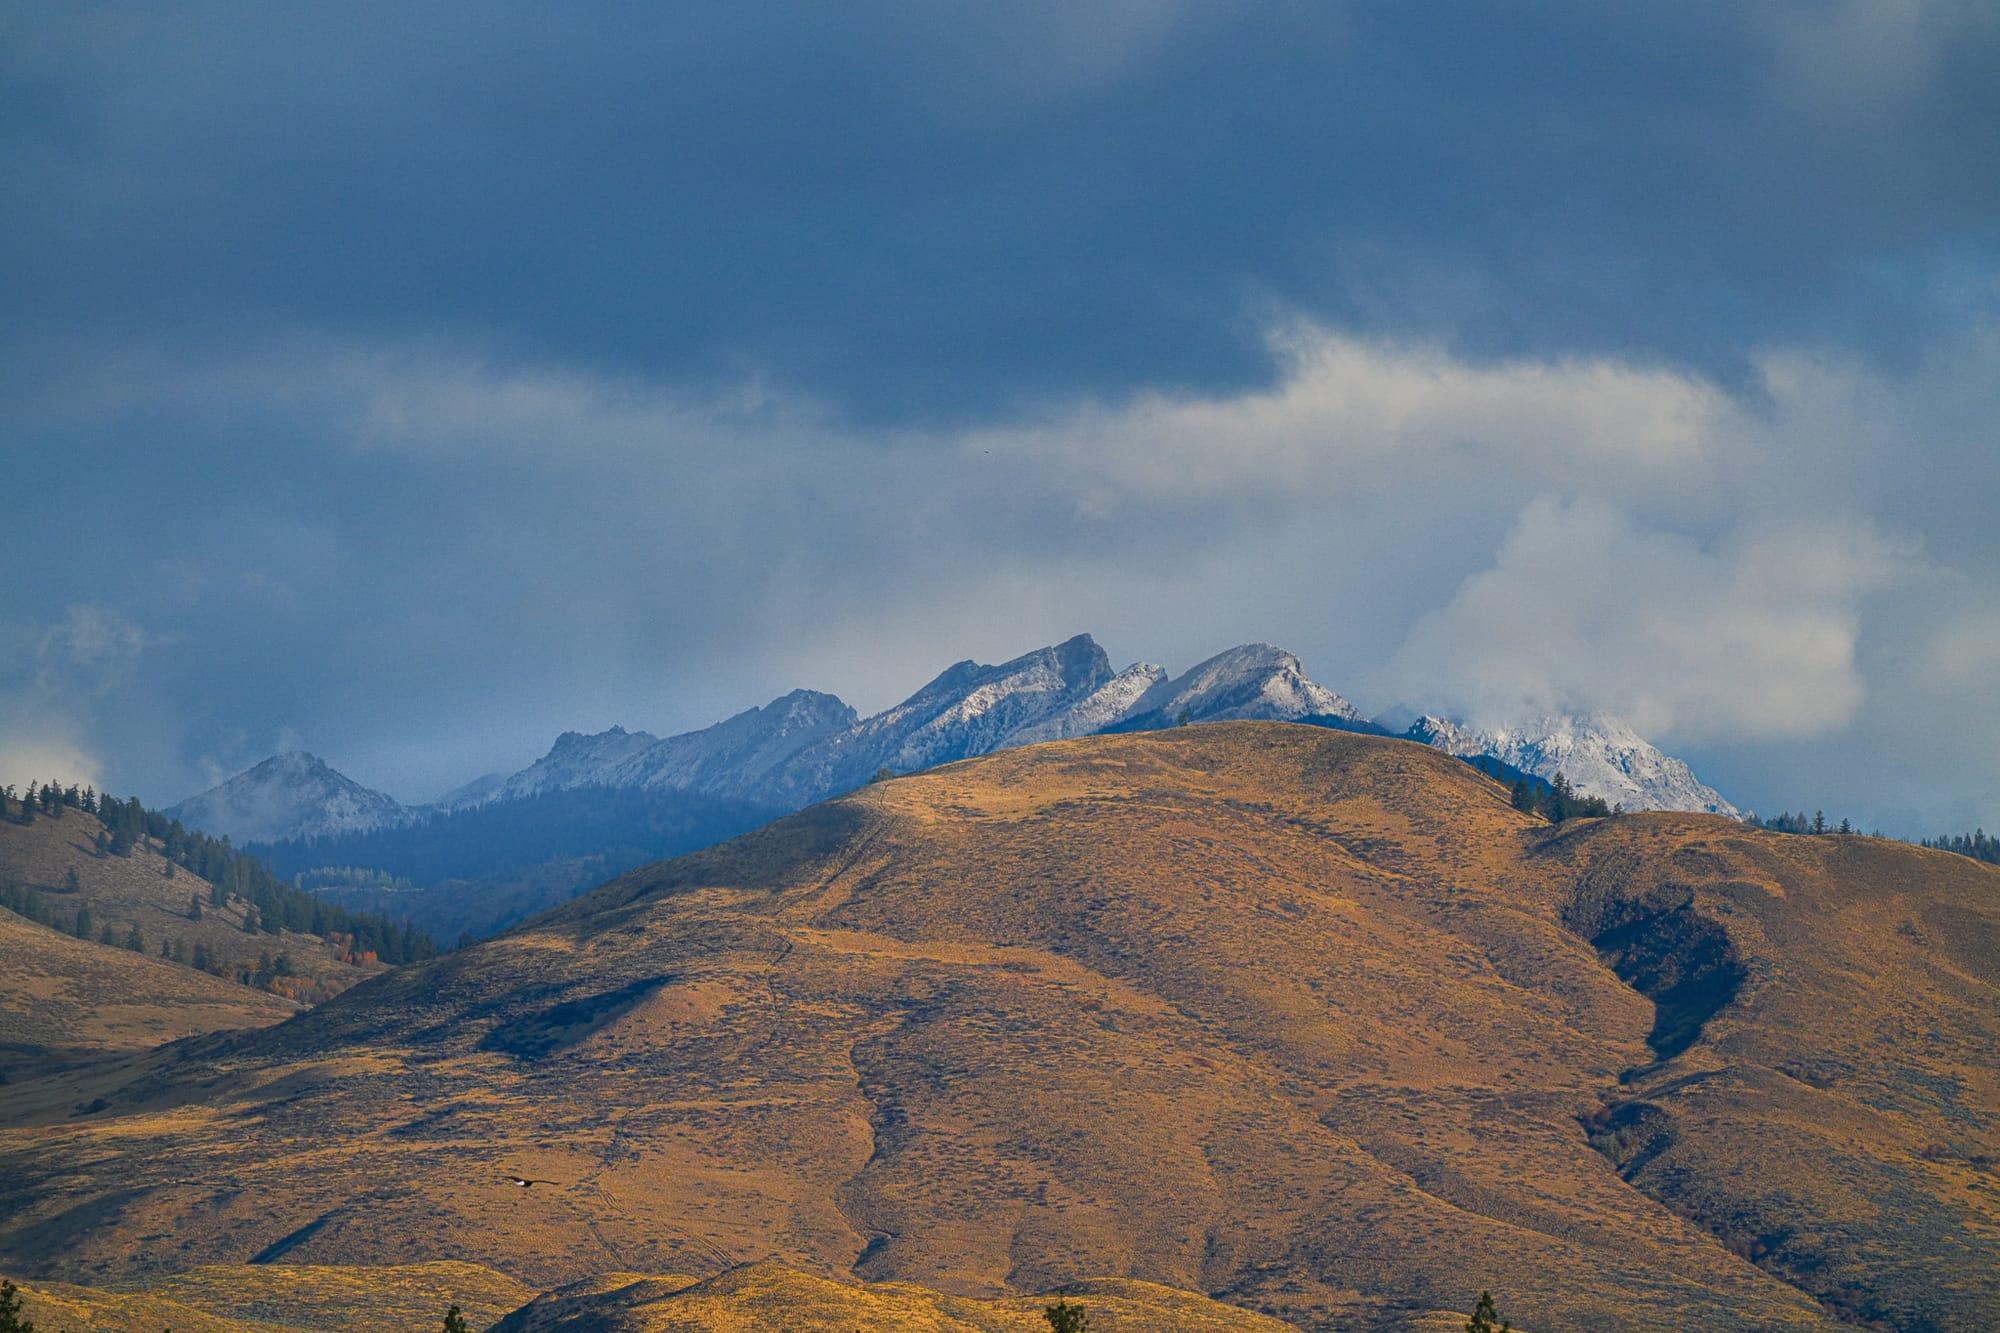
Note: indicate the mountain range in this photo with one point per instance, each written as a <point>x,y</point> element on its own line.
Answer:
<point>806,746</point>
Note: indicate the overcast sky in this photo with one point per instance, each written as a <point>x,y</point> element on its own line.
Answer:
<point>411,383</point>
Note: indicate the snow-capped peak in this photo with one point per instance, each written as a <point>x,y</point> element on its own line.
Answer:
<point>291,795</point>
<point>1254,681</point>
<point>1108,704</point>
<point>1600,755</point>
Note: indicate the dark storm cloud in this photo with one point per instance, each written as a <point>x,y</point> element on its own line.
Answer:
<point>414,382</point>
<point>947,210</point>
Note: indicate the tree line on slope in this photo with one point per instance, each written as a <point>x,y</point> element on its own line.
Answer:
<point>271,905</point>
<point>1553,799</point>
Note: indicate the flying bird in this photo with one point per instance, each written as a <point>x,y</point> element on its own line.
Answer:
<point>525,1181</point>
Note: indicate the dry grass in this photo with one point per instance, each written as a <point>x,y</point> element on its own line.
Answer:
<point>241,1298</point>
<point>136,890</point>
<point>64,1002</point>
<point>1299,1019</point>
<point>772,1296</point>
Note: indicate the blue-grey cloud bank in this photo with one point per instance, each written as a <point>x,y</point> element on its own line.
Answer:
<point>413,382</point>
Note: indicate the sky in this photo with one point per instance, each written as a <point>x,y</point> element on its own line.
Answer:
<point>412,383</point>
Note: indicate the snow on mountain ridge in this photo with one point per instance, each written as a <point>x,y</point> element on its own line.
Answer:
<point>1109,703</point>
<point>290,795</point>
<point>1601,755</point>
<point>1254,681</point>
<point>575,760</point>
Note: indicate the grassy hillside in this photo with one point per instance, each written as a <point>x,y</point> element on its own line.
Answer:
<point>412,1298</point>
<point>61,863</point>
<point>289,1298</point>
<point>64,1002</point>
<point>772,1296</point>
<point>1315,1023</point>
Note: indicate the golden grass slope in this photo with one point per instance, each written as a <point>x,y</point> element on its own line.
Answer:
<point>137,890</point>
<point>64,1001</point>
<point>1307,1021</point>
<point>242,1298</point>
<point>772,1296</point>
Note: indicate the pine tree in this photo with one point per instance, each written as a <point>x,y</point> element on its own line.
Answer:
<point>1561,796</point>
<point>1066,1318</point>
<point>135,941</point>
<point>1819,821</point>
<point>28,804</point>
<point>1485,1319</point>
<point>1524,796</point>
<point>454,1322</point>
<point>70,881</point>
<point>194,907</point>
<point>10,1310</point>
<point>83,922</point>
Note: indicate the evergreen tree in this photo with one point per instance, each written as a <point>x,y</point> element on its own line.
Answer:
<point>194,907</point>
<point>135,941</point>
<point>83,922</point>
<point>454,1322</point>
<point>106,935</point>
<point>10,1310</point>
<point>70,882</point>
<point>1819,821</point>
<point>1524,796</point>
<point>1485,1319</point>
<point>1560,797</point>
<point>28,804</point>
<point>1066,1318</point>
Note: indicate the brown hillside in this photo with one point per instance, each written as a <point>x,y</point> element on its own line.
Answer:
<point>282,1298</point>
<point>144,890</point>
<point>1313,1022</point>
<point>772,1296</point>
<point>66,1002</point>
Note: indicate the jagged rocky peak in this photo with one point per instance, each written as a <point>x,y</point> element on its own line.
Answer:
<point>1254,681</point>
<point>972,708</point>
<point>291,795</point>
<point>1103,707</point>
<point>807,709</point>
<point>1601,755</point>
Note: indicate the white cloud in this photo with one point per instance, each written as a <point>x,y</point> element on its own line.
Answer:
<point>1583,607</point>
<point>93,638</point>
<point>1349,411</point>
<point>45,758</point>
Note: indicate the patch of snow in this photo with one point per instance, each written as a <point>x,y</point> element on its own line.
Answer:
<point>1600,755</point>
<point>294,795</point>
